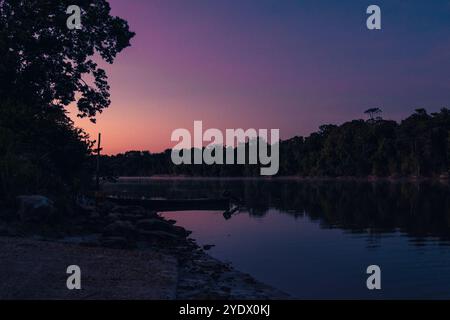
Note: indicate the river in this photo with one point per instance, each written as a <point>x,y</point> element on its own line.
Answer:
<point>315,239</point>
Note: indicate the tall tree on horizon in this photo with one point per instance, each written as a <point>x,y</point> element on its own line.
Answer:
<point>374,114</point>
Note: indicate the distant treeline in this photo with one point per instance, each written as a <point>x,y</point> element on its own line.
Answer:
<point>417,146</point>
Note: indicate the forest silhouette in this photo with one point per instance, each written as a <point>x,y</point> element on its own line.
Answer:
<point>418,146</point>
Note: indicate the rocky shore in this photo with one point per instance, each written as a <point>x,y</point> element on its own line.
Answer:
<point>131,252</point>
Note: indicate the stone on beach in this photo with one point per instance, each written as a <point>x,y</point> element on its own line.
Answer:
<point>158,235</point>
<point>116,243</point>
<point>154,225</point>
<point>121,229</point>
<point>35,208</point>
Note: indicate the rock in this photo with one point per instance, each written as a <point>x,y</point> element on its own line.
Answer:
<point>35,208</point>
<point>105,207</point>
<point>4,231</point>
<point>113,216</point>
<point>444,176</point>
<point>120,229</point>
<point>118,209</point>
<point>116,243</point>
<point>158,235</point>
<point>140,211</point>
<point>154,225</point>
<point>181,231</point>
<point>130,217</point>
<point>94,215</point>
<point>208,246</point>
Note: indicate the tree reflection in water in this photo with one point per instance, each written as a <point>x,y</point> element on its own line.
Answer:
<point>421,210</point>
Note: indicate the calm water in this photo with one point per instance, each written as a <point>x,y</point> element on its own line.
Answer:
<point>316,239</point>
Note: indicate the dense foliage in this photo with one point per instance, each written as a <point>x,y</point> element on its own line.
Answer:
<point>41,153</point>
<point>44,67</point>
<point>45,64</point>
<point>417,146</point>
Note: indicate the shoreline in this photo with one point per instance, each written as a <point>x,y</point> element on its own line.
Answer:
<point>283,178</point>
<point>127,253</point>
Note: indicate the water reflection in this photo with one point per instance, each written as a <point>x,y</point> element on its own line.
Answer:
<point>419,210</point>
<point>316,239</point>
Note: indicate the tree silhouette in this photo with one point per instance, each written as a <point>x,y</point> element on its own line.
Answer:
<point>374,113</point>
<point>44,64</point>
<point>44,67</point>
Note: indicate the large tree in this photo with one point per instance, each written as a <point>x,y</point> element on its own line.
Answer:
<point>46,65</point>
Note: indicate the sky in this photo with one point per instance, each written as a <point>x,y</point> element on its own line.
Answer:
<point>291,65</point>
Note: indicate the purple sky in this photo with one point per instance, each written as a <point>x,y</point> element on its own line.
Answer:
<point>292,65</point>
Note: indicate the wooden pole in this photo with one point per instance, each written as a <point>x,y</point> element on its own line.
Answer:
<point>98,162</point>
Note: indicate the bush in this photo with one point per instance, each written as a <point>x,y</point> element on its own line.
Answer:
<point>41,153</point>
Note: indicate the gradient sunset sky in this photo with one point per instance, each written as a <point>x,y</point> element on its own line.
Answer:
<point>286,64</point>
